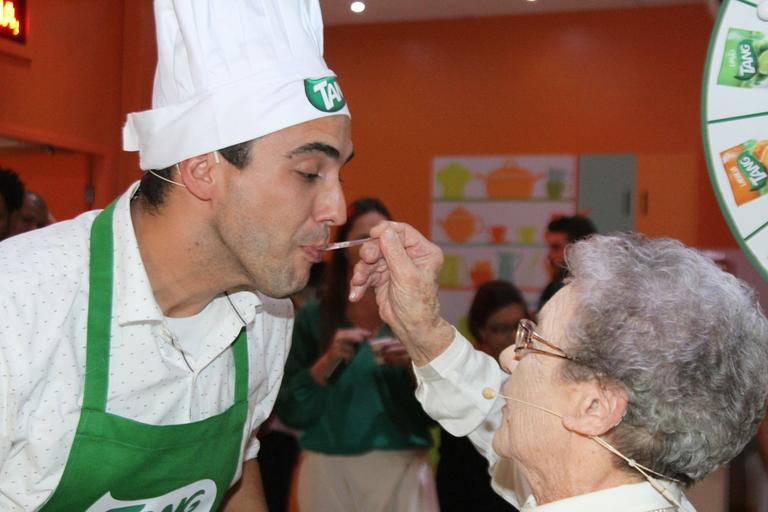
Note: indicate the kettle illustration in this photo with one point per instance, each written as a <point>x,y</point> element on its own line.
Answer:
<point>460,225</point>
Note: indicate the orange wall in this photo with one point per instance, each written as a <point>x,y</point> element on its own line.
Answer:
<point>139,58</point>
<point>63,88</point>
<point>591,82</point>
<point>594,82</point>
<point>60,178</point>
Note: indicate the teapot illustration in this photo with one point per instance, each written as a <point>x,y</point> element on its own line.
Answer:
<point>460,225</point>
<point>509,182</point>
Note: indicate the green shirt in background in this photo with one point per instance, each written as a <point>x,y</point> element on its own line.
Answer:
<point>370,407</point>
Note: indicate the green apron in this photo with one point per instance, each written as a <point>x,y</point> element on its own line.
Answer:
<point>118,464</point>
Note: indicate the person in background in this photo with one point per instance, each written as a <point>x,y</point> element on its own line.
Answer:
<point>11,199</point>
<point>279,451</point>
<point>142,346</point>
<point>463,482</point>
<point>33,214</point>
<point>350,390</point>
<point>313,289</point>
<point>560,232</point>
<point>646,372</point>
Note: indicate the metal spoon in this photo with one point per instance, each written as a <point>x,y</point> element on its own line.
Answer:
<point>345,244</point>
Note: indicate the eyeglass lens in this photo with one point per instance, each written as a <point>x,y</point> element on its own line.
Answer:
<point>505,328</point>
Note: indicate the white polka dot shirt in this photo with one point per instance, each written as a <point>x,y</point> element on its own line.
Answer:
<point>43,311</point>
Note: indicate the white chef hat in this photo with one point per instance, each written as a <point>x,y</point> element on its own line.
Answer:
<point>229,71</point>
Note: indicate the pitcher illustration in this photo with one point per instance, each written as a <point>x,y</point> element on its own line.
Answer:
<point>508,262</point>
<point>453,178</point>
<point>450,273</point>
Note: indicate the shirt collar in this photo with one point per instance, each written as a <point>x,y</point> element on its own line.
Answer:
<point>246,305</point>
<point>134,300</point>
<point>640,497</point>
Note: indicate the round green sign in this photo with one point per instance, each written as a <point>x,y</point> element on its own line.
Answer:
<point>734,118</point>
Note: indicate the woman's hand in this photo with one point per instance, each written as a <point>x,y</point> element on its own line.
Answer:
<point>395,355</point>
<point>402,266</point>
<point>342,347</point>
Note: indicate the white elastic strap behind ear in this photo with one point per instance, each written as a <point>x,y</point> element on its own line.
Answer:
<point>153,173</point>
<point>216,157</point>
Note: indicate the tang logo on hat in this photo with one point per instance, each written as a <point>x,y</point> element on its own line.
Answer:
<point>324,93</point>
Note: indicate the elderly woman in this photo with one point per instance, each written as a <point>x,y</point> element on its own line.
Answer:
<point>647,371</point>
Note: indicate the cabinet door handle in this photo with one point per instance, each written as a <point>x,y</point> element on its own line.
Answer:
<point>644,202</point>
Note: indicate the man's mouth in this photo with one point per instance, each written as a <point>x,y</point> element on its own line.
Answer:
<point>314,251</point>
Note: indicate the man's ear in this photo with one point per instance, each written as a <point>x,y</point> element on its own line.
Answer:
<point>198,174</point>
<point>595,407</point>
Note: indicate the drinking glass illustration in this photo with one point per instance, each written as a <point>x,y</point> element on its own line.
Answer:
<point>526,234</point>
<point>498,233</point>
<point>555,183</point>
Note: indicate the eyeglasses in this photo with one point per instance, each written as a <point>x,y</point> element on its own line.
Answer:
<point>527,335</point>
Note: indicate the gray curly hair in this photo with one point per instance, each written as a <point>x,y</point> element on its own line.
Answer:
<point>687,341</point>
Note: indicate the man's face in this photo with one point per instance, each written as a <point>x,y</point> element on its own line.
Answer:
<point>555,263</point>
<point>30,216</point>
<point>275,214</point>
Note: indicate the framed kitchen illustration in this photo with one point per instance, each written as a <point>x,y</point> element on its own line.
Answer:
<point>489,215</point>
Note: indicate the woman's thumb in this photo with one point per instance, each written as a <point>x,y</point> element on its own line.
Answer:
<point>394,253</point>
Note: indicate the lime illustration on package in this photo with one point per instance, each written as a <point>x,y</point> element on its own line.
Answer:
<point>745,166</point>
<point>745,59</point>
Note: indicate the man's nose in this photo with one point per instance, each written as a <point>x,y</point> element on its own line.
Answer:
<point>331,207</point>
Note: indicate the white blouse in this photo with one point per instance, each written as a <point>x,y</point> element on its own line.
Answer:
<point>450,388</point>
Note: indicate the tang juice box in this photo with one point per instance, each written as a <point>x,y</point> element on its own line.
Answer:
<point>745,60</point>
<point>745,166</point>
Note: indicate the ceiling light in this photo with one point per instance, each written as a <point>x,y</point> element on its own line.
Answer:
<point>357,7</point>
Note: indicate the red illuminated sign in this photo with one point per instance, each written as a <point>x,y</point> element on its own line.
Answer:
<point>13,20</point>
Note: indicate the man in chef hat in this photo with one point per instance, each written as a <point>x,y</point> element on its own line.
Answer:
<point>150,338</point>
